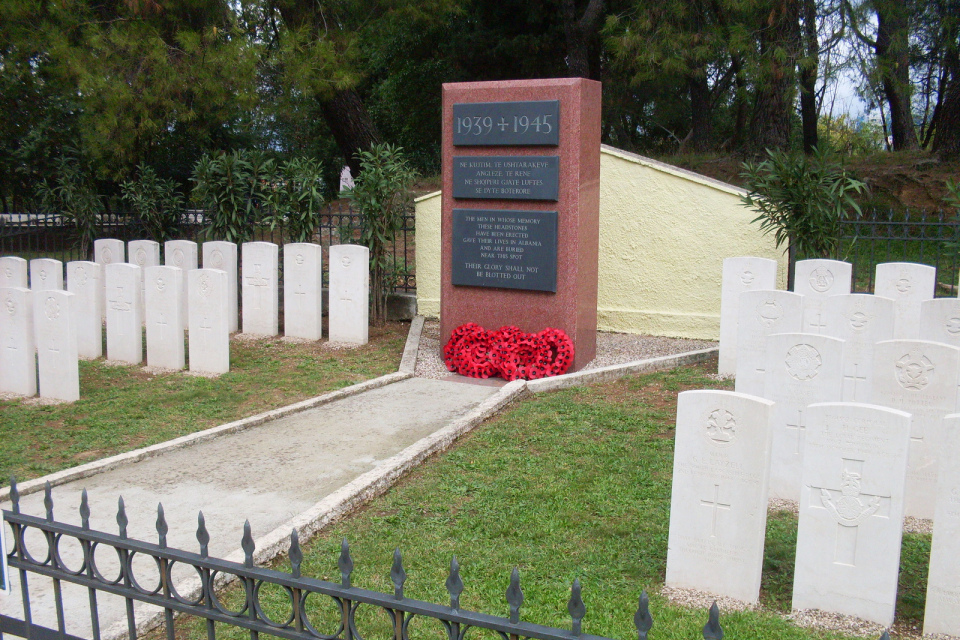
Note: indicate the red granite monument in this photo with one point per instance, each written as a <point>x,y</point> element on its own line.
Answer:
<point>520,208</point>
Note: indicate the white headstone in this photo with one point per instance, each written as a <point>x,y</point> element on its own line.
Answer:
<point>85,282</point>
<point>107,251</point>
<point>346,180</point>
<point>209,326</point>
<point>124,313</point>
<point>762,314</point>
<point>802,369</point>
<point>143,253</point>
<point>13,272</point>
<point>57,360</point>
<point>18,350</point>
<point>860,320</point>
<point>942,613</point>
<point>851,510</point>
<point>918,377</point>
<point>940,321</point>
<point>183,255</point>
<point>46,274</point>
<point>718,507</point>
<point>349,294</point>
<point>739,275</point>
<point>259,288</point>
<point>223,256</point>
<point>817,280</point>
<point>164,305</point>
<point>302,286</point>
<point>908,284</point>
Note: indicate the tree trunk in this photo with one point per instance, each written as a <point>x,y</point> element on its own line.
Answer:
<point>582,37</point>
<point>809,70</point>
<point>700,138</point>
<point>350,124</point>
<point>773,106</point>
<point>946,142</point>
<point>893,60</point>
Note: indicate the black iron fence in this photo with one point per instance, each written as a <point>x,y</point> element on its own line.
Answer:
<point>38,235</point>
<point>251,614</point>
<point>901,235</point>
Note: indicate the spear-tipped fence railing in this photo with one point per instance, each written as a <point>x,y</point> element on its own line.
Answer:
<point>251,615</point>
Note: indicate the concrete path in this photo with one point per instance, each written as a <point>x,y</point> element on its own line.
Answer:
<point>268,474</point>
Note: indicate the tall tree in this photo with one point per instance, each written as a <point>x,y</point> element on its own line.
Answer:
<point>582,31</point>
<point>775,78</point>
<point>946,124</point>
<point>891,49</point>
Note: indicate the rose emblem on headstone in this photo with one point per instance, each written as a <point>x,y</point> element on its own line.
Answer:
<point>51,308</point>
<point>912,371</point>
<point>299,258</point>
<point>747,278</point>
<point>821,279</point>
<point>803,362</point>
<point>721,427</point>
<point>345,261</point>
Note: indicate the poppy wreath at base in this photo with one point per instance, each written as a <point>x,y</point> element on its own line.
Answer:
<point>508,352</point>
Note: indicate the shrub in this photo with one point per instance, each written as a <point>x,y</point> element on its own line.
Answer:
<point>156,201</point>
<point>381,194</point>
<point>72,194</point>
<point>801,199</point>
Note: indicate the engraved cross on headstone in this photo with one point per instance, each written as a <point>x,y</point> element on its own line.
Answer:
<point>715,505</point>
<point>206,326</point>
<point>800,428</point>
<point>849,507</point>
<point>260,283</point>
<point>120,306</point>
<point>855,377</point>
<point>162,322</point>
<point>819,325</point>
<point>300,293</point>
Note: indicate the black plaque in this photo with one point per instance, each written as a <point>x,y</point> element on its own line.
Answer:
<point>506,177</point>
<point>507,123</point>
<point>505,249</point>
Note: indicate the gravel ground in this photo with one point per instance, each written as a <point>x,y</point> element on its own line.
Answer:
<point>612,348</point>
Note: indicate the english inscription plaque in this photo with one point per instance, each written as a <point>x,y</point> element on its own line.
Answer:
<point>505,249</point>
<point>507,123</point>
<point>506,177</point>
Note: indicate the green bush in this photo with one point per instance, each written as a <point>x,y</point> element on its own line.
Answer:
<point>73,194</point>
<point>156,201</point>
<point>229,188</point>
<point>296,197</point>
<point>801,199</point>
<point>381,194</point>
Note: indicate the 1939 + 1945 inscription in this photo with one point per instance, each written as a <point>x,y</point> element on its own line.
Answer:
<point>533,122</point>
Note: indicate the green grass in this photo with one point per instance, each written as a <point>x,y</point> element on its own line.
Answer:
<point>571,484</point>
<point>122,407</point>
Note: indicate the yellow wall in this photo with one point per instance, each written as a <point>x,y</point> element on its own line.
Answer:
<point>664,233</point>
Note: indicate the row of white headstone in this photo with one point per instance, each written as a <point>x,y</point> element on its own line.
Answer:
<point>62,325</point>
<point>850,512</point>
<point>799,351</point>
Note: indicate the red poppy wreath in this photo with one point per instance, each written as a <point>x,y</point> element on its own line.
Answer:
<point>507,352</point>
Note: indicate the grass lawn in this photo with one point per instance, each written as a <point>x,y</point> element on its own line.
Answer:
<point>570,484</point>
<point>123,407</point>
